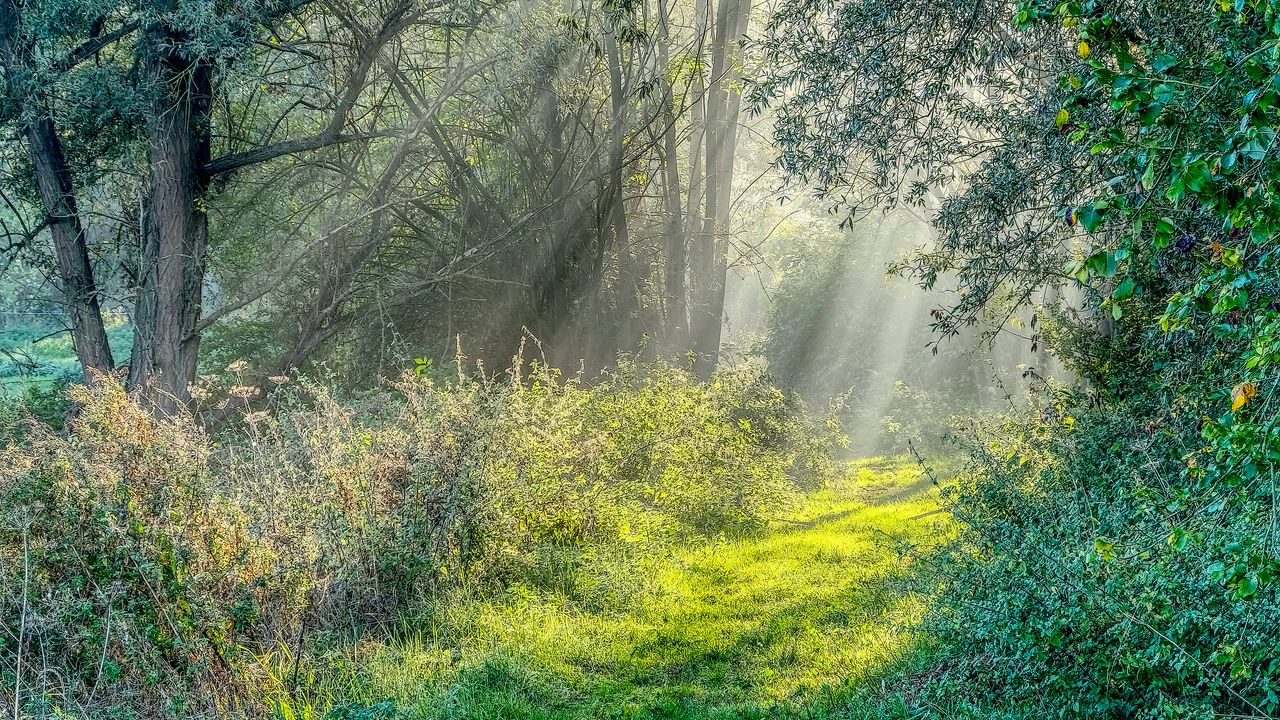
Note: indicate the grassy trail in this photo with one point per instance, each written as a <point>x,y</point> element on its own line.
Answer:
<point>802,622</point>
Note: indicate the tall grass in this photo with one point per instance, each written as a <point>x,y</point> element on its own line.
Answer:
<point>149,568</point>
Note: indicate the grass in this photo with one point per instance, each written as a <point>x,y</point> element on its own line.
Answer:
<point>804,622</point>
<point>40,355</point>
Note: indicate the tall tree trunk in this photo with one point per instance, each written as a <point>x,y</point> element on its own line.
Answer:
<point>75,270</point>
<point>176,229</point>
<point>676,320</point>
<point>624,330</point>
<point>55,185</point>
<point>723,105</point>
<point>726,153</point>
<point>697,141</point>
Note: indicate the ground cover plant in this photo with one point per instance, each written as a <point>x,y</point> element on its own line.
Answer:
<point>153,568</point>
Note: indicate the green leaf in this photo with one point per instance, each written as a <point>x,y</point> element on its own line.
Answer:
<point>1149,175</point>
<point>1124,290</point>
<point>1089,217</point>
<point>1247,588</point>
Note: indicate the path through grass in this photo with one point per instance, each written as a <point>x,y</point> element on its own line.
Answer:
<point>804,622</point>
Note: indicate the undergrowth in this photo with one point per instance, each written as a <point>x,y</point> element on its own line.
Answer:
<point>807,620</point>
<point>150,569</point>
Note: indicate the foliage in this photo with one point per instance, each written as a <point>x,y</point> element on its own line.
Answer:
<point>149,568</point>
<point>1080,587</point>
<point>49,405</point>
<point>1158,566</point>
<point>363,178</point>
<point>1118,557</point>
<point>129,580</point>
<point>803,621</point>
<point>936,105</point>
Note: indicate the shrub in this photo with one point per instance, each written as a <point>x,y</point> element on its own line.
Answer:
<point>153,569</point>
<point>128,581</point>
<point>1096,576</point>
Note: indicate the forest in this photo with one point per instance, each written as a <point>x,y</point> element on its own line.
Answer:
<point>639,359</point>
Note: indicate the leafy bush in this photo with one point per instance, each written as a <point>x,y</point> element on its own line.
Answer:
<point>129,581</point>
<point>1119,551</point>
<point>153,569</point>
<point>1124,564</point>
<point>1098,574</point>
<point>48,403</point>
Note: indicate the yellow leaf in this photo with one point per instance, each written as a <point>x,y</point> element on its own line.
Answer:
<point>1083,47</point>
<point>1241,395</point>
<point>1063,117</point>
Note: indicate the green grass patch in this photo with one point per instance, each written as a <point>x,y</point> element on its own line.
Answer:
<point>803,621</point>
<point>40,355</point>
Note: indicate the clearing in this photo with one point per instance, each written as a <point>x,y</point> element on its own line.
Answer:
<point>802,622</point>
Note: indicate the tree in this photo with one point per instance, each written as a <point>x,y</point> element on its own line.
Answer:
<point>27,108</point>
<point>880,103</point>
<point>178,59</point>
<point>320,170</point>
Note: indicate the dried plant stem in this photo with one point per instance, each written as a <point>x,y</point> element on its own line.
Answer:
<point>22,622</point>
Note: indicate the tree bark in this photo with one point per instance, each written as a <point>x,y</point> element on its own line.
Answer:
<point>676,318</point>
<point>75,270</point>
<point>175,233</point>
<point>624,333</point>
<point>723,103</point>
<point>697,142</point>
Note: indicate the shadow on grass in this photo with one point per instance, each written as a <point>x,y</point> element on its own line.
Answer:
<point>897,494</point>
<point>807,622</point>
<point>819,655</point>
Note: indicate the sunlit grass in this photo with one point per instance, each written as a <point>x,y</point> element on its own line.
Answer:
<point>802,622</point>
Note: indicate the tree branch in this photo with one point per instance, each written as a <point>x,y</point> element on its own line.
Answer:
<point>90,47</point>
<point>396,21</point>
<point>235,161</point>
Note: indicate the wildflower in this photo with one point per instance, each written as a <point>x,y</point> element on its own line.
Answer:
<point>246,391</point>
<point>279,379</point>
<point>237,366</point>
